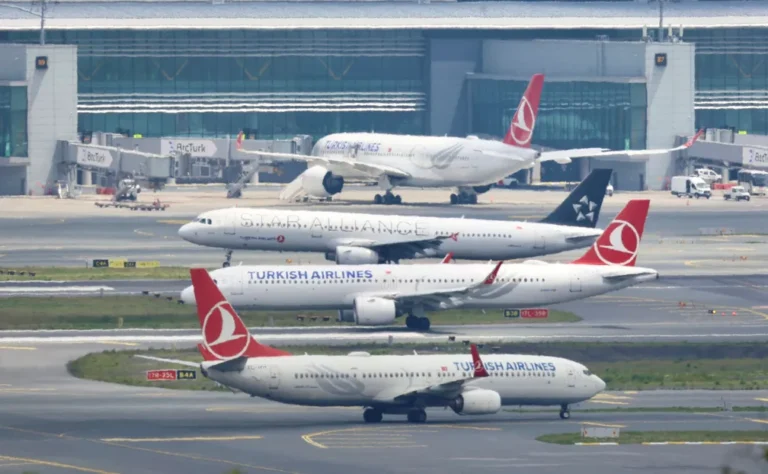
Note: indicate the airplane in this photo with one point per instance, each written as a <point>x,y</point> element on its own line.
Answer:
<point>389,384</point>
<point>469,163</point>
<point>375,295</point>
<point>351,239</point>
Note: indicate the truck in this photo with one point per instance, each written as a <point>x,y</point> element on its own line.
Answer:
<point>690,186</point>
<point>737,193</point>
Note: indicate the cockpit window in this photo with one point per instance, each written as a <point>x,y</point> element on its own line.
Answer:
<point>205,221</point>
<point>587,372</point>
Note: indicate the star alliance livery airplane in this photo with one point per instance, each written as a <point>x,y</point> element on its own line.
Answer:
<point>392,385</point>
<point>374,295</point>
<point>470,164</point>
<point>352,239</point>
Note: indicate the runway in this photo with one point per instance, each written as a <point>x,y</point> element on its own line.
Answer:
<point>676,240</point>
<point>54,423</point>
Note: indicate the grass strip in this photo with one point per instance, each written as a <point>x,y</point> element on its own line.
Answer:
<point>92,274</point>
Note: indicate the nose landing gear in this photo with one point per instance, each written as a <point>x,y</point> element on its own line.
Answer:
<point>228,261</point>
<point>565,412</point>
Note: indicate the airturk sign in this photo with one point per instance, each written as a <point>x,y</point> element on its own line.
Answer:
<point>754,157</point>
<point>196,148</point>
<point>94,157</point>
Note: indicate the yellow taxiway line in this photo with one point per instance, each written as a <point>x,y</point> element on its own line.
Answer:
<point>53,464</point>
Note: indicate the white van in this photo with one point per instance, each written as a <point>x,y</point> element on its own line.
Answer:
<point>691,186</point>
<point>707,175</point>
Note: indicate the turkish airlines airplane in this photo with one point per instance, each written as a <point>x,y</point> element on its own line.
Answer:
<point>396,385</point>
<point>470,164</point>
<point>374,295</point>
<point>351,239</point>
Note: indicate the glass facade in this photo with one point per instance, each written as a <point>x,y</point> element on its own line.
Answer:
<point>571,115</point>
<point>731,78</point>
<point>275,83</point>
<point>13,121</point>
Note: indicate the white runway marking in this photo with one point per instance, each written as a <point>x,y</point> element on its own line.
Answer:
<point>57,289</point>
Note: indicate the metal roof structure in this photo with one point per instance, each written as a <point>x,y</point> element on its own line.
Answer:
<point>164,14</point>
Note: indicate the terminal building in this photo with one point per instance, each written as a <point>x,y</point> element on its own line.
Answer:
<point>173,70</point>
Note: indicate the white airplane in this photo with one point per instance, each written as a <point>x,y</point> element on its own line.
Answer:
<point>397,385</point>
<point>470,164</point>
<point>351,239</point>
<point>375,295</point>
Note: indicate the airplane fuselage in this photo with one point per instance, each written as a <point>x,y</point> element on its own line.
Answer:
<point>364,380</point>
<point>430,161</point>
<point>317,231</point>
<point>337,286</point>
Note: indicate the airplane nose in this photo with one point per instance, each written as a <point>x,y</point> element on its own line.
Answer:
<point>186,232</point>
<point>600,384</point>
<point>188,295</point>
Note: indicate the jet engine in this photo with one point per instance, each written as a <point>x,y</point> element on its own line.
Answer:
<point>346,316</point>
<point>477,402</point>
<point>482,189</point>
<point>319,182</point>
<point>373,311</point>
<point>345,255</point>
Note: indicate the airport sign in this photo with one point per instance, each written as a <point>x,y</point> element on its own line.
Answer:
<point>93,157</point>
<point>195,148</point>
<point>754,157</point>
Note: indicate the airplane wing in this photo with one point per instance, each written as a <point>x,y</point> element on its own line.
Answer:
<point>618,277</point>
<point>565,156</point>
<point>445,390</point>
<point>374,170</point>
<point>403,249</point>
<point>446,298</point>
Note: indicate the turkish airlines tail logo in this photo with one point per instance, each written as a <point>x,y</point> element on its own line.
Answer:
<point>620,241</point>
<point>520,130</point>
<point>225,335</point>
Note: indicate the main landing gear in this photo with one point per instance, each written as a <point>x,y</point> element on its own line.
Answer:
<point>565,412</point>
<point>372,415</point>
<point>228,261</point>
<point>418,323</point>
<point>387,198</point>
<point>417,416</point>
<point>464,198</point>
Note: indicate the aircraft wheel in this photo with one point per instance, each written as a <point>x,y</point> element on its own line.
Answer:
<point>378,199</point>
<point>225,264</point>
<point>454,199</point>
<point>398,199</point>
<point>417,416</point>
<point>412,322</point>
<point>424,324</point>
<point>372,415</point>
<point>565,412</point>
<point>473,199</point>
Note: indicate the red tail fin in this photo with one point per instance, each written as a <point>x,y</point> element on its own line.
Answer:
<point>239,141</point>
<point>520,130</point>
<point>620,241</point>
<point>448,257</point>
<point>477,362</point>
<point>224,333</point>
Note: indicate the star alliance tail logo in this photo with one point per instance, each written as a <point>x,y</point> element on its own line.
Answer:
<point>585,209</point>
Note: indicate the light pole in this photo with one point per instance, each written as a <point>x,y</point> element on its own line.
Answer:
<point>40,14</point>
<point>661,20</point>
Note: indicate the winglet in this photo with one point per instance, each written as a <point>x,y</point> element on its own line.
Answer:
<point>477,362</point>
<point>492,276</point>
<point>521,127</point>
<point>448,257</point>
<point>693,139</point>
<point>239,142</point>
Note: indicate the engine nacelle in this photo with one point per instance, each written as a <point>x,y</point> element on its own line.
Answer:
<point>345,255</point>
<point>319,182</point>
<point>373,311</point>
<point>482,189</point>
<point>346,316</point>
<point>477,402</point>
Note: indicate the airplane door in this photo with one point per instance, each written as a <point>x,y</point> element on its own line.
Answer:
<point>274,377</point>
<point>229,227</point>
<point>571,380</point>
<point>538,241</point>
<point>575,284</point>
